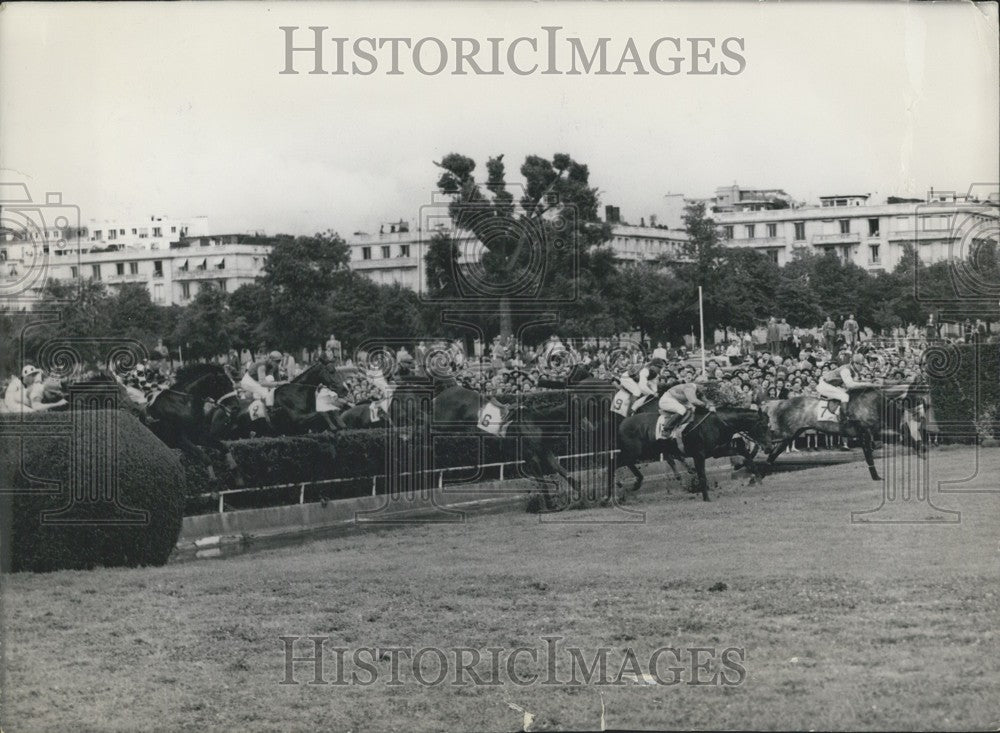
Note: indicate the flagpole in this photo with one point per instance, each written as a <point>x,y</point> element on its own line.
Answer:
<point>701,318</point>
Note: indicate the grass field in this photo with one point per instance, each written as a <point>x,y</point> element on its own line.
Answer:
<point>844,626</point>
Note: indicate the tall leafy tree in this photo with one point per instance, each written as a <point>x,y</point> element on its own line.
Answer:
<point>553,221</point>
<point>203,329</point>
<point>300,275</point>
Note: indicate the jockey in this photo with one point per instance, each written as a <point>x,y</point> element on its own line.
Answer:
<point>328,401</point>
<point>681,400</point>
<point>640,380</point>
<point>835,382</point>
<point>258,372</point>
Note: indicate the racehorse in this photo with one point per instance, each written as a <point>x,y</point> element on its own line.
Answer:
<point>538,421</point>
<point>188,415</point>
<point>867,413</point>
<point>294,409</point>
<point>359,417</point>
<point>710,436</point>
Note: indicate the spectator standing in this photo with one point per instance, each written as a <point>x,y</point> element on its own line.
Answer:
<point>773,336</point>
<point>829,332</point>
<point>334,350</point>
<point>850,332</point>
<point>785,337</point>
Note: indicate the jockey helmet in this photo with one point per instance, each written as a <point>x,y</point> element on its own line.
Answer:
<point>275,355</point>
<point>29,370</point>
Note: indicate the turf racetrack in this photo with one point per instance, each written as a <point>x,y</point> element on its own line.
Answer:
<point>843,625</point>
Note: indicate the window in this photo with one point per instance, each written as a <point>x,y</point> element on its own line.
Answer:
<point>119,268</point>
<point>366,253</point>
<point>841,202</point>
<point>222,285</point>
<point>135,231</point>
<point>385,252</point>
<point>157,232</point>
<point>845,226</point>
<point>97,234</point>
<point>122,232</point>
<point>404,250</point>
<point>873,227</point>
<point>772,230</point>
<point>95,271</point>
<point>133,268</point>
<point>157,268</point>
<point>185,291</point>
<point>221,265</point>
<point>873,252</point>
<point>800,231</point>
<point>173,230</point>
<point>143,233</point>
<point>112,234</point>
<point>158,292</point>
<point>73,272</point>
<point>751,228</point>
<point>727,231</point>
<point>773,254</point>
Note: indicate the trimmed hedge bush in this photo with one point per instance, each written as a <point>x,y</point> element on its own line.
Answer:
<point>962,400</point>
<point>35,457</point>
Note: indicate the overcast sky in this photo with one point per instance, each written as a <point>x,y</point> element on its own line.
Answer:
<point>179,109</point>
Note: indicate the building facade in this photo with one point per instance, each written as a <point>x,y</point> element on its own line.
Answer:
<point>174,272</point>
<point>396,254</point>
<point>872,236</point>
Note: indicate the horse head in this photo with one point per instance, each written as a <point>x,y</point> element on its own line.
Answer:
<point>760,429</point>
<point>320,374</point>
<point>203,381</point>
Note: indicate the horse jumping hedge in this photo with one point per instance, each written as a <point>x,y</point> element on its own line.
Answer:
<point>35,469</point>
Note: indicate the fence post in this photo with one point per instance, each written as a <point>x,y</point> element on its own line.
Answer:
<point>501,470</point>
<point>302,493</point>
<point>441,480</point>
<point>222,501</point>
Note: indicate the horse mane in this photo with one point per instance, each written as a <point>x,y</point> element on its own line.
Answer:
<point>192,372</point>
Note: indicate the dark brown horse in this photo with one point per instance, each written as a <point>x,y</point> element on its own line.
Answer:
<point>188,415</point>
<point>294,411</point>
<point>710,436</point>
<point>540,422</point>
<point>870,413</point>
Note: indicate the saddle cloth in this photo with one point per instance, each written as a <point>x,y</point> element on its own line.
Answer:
<point>492,419</point>
<point>824,414</point>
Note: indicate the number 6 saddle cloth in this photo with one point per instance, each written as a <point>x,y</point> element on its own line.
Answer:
<point>494,418</point>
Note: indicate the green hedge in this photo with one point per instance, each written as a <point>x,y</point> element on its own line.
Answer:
<point>36,456</point>
<point>965,388</point>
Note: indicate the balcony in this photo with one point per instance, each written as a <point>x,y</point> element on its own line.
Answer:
<point>388,263</point>
<point>756,242</point>
<point>913,235</point>
<point>839,238</point>
<point>213,273</point>
<point>128,277</point>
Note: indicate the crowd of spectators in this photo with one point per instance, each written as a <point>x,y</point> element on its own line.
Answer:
<point>773,361</point>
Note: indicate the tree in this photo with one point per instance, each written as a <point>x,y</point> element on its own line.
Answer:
<point>746,282</point>
<point>553,222</point>
<point>204,328</point>
<point>132,314</point>
<point>248,309</point>
<point>441,267</point>
<point>300,275</point>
